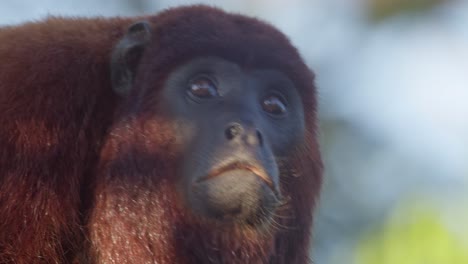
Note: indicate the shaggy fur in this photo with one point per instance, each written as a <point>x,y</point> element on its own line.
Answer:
<point>87,176</point>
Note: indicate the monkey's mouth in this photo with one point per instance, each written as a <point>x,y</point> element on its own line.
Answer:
<point>239,192</point>
<point>238,166</point>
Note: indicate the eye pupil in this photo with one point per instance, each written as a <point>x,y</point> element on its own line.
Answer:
<point>203,88</point>
<point>274,105</point>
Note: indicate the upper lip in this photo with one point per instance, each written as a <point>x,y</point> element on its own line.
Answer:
<point>261,173</point>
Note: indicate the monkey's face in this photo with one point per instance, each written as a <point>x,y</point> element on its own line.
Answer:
<point>234,125</point>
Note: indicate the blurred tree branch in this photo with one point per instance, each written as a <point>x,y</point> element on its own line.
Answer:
<point>382,9</point>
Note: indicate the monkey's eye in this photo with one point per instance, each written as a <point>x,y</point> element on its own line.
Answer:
<point>202,87</point>
<point>274,104</point>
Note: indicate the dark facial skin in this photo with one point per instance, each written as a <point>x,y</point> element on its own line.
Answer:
<point>234,125</point>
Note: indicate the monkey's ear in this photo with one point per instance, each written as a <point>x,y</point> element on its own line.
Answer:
<point>126,55</point>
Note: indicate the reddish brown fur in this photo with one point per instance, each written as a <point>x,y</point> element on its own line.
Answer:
<point>88,177</point>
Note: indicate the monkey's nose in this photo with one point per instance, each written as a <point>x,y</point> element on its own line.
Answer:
<point>249,136</point>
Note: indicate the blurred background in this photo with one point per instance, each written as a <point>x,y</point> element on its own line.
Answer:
<point>393,87</point>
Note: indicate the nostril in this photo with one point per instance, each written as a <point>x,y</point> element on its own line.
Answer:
<point>259,137</point>
<point>233,131</point>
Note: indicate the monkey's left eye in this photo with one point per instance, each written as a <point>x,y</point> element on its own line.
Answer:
<point>203,87</point>
<point>274,104</point>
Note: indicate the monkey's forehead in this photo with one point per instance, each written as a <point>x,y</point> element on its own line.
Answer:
<point>183,33</point>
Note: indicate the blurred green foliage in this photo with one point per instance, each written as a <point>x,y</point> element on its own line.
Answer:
<point>415,234</point>
<point>381,9</point>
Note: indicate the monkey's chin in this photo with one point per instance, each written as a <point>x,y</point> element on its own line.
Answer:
<point>234,197</point>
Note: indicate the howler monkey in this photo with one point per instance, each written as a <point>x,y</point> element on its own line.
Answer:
<point>184,137</point>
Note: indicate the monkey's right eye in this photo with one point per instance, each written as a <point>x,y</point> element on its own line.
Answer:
<point>203,87</point>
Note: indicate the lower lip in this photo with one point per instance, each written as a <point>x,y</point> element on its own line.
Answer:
<point>265,179</point>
